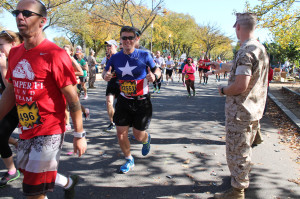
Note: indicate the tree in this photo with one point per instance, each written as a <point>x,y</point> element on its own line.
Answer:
<point>282,18</point>
<point>124,12</point>
<point>61,41</point>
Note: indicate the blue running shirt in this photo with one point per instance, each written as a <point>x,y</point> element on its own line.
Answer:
<point>131,71</point>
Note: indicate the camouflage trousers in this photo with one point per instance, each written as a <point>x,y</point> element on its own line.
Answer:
<point>239,138</point>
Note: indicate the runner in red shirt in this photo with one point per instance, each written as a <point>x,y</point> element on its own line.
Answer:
<point>200,69</point>
<point>41,78</point>
<point>189,70</point>
<point>206,68</point>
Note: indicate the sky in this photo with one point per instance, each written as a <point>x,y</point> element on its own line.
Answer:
<point>214,12</point>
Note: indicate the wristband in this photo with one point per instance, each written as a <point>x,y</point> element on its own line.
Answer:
<point>222,90</point>
<point>221,65</point>
<point>79,135</point>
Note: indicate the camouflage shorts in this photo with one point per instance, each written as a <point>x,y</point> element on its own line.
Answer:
<point>239,138</point>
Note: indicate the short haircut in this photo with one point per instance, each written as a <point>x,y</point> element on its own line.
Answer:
<point>41,8</point>
<point>129,29</point>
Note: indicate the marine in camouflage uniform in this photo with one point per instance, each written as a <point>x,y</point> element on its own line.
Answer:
<point>244,111</point>
<point>244,104</point>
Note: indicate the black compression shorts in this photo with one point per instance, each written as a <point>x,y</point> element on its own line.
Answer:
<point>134,113</point>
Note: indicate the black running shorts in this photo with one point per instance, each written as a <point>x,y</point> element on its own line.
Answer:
<point>205,70</point>
<point>83,79</point>
<point>134,113</point>
<point>113,89</point>
<point>200,69</point>
<point>169,72</point>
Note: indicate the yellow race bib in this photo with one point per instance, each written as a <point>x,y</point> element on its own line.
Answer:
<point>29,115</point>
<point>128,87</point>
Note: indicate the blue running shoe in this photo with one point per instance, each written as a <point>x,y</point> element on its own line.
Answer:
<point>127,166</point>
<point>146,146</point>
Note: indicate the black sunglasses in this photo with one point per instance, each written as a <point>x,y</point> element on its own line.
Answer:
<point>25,13</point>
<point>128,38</point>
<point>4,32</point>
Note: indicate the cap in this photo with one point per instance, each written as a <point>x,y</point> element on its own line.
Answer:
<point>111,42</point>
<point>78,47</point>
<point>245,18</point>
<point>169,56</point>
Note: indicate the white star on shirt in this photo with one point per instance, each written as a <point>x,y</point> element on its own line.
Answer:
<point>127,70</point>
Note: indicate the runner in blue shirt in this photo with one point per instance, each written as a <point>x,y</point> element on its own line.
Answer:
<point>134,68</point>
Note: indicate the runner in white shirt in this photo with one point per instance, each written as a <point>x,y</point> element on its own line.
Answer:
<point>169,69</point>
<point>160,62</point>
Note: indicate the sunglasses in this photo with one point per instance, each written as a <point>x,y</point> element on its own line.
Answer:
<point>128,38</point>
<point>25,13</point>
<point>4,32</point>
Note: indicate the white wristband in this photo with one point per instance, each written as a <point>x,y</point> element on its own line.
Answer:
<point>79,135</point>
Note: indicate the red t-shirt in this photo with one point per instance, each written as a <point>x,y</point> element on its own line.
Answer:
<point>37,76</point>
<point>206,67</point>
<point>200,63</point>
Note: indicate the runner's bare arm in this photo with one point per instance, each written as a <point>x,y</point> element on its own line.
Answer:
<point>226,67</point>
<point>77,68</point>
<point>70,93</point>
<point>7,101</point>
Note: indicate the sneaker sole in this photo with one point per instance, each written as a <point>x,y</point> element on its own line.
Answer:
<point>12,179</point>
<point>123,172</point>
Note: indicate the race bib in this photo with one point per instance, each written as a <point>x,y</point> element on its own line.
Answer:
<point>186,76</point>
<point>169,66</point>
<point>128,87</point>
<point>29,116</point>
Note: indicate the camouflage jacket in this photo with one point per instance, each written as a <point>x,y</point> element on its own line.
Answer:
<point>252,60</point>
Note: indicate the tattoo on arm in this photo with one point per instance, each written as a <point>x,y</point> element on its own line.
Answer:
<point>74,106</point>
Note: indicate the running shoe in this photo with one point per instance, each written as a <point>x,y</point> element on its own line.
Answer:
<point>154,90</point>
<point>85,97</point>
<point>146,146</point>
<point>87,114</point>
<point>158,91</point>
<point>6,178</point>
<point>194,93</point>
<point>110,127</point>
<point>127,166</point>
<point>70,192</point>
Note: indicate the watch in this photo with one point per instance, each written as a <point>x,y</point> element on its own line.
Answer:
<point>79,135</point>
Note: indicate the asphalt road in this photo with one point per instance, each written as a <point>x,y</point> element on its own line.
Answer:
<point>187,158</point>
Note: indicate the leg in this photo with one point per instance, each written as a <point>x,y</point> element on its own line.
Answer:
<point>141,136</point>
<point>122,134</point>
<point>110,107</point>
<point>193,87</point>
<point>187,82</point>
<point>239,137</point>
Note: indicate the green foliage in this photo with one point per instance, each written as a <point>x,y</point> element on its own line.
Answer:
<point>61,41</point>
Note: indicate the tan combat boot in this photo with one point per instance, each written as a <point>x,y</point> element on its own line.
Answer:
<point>232,193</point>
